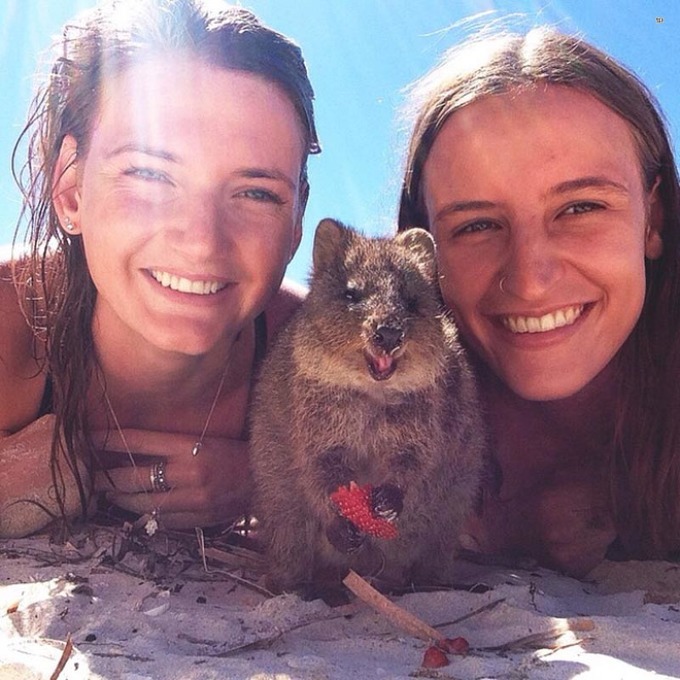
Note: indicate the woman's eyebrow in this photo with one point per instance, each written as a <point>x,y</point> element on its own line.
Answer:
<point>249,172</point>
<point>266,173</point>
<point>588,182</point>
<point>464,206</point>
<point>142,148</point>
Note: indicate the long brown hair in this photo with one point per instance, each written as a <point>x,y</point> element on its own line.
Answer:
<point>56,285</point>
<point>644,461</point>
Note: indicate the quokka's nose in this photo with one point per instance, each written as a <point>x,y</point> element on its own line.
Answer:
<point>388,338</point>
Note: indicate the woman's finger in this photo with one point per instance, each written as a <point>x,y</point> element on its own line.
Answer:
<point>135,479</point>
<point>176,500</point>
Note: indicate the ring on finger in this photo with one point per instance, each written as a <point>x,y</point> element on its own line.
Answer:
<point>157,477</point>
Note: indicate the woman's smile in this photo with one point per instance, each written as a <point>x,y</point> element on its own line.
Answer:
<point>191,285</point>
<point>520,323</point>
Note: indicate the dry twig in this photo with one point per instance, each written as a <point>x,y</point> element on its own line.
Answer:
<point>561,634</point>
<point>469,615</point>
<point>408,622</point>
<point>63,659</point>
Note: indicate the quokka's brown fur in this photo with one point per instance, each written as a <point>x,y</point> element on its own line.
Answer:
<point>368,383</point>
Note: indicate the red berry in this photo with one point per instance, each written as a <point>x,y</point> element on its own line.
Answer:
<point>354,503</point>
<point>434,658</point>
<point>458,645</point>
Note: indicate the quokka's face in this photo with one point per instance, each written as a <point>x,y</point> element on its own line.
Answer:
<point>378,322</point>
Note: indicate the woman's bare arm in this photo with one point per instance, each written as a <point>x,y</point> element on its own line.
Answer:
<point>27,498</point>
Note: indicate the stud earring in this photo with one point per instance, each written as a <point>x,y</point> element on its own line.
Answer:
<point>69,226</point>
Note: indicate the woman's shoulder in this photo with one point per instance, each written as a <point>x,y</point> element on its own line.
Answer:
<point>20,374</point>
<point>283,305</point>
<point>10,308</point>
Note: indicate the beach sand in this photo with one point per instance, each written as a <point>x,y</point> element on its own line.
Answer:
<point>140,608</point>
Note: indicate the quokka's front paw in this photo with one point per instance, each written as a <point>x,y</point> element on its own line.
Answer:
<point>387,501</point>
<point>344,536</point>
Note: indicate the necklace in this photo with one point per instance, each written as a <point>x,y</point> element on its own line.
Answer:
<point>198,445</point>
<point>157,471</point>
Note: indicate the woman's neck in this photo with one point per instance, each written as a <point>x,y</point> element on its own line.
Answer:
<point>142,380</point>
<point>535,439</point>
<point>589,410</point>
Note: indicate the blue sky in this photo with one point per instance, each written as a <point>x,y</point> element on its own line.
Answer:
<point>361,55</point>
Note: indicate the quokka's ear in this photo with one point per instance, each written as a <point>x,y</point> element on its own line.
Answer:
<point>330,240</point>
<point>421,244</point>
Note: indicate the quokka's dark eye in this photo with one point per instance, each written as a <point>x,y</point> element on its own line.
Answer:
<point>352,294</point>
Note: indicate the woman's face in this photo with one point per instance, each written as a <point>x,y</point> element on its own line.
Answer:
<point>188,201</point>
<point>536,201</point>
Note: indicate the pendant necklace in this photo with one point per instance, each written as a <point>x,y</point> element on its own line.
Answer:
<point>157,470</point>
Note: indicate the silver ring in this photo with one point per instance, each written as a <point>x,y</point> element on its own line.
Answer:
<point>157,477</point>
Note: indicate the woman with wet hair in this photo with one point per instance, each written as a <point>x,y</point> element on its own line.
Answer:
<point>164,189</point>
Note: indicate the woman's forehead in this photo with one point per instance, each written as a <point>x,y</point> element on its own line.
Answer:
<point>542,121</point>
<point>178,92</point>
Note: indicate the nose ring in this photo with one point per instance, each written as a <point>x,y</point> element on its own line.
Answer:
<point>501,282</point>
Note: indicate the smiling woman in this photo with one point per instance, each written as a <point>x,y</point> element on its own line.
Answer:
<point>198,193</point>
<point>165,188</point>
<point>544,171</point>
<point>567,242</point>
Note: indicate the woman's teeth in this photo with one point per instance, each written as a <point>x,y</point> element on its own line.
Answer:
<point>183,285</point>
<point>541,324</point>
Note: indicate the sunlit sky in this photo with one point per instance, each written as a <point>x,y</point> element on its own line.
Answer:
<point>361,54</point>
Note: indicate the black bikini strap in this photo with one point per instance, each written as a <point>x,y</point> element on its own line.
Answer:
<point>46,404</point>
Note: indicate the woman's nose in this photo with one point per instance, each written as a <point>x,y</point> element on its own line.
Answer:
<point>532,268</point>
<point>202,227</point>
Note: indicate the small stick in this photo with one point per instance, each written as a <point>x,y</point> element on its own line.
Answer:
<point>394,613</point>
<point>63,659</point>
<point>484,608</point>
<point>218,556</point>
<point>551,638</point>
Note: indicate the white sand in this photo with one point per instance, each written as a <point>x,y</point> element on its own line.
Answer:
<point>183,626</point>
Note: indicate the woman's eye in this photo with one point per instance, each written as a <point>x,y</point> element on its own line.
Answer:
<point>262,196</point>
<point>476,227</point>
<point>147,174</point>
<point>580,208</point>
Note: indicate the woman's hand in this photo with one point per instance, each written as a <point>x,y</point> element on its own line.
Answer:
<point>564,523</point>
<point>574,522</point>
<point>213,487</point>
